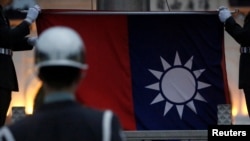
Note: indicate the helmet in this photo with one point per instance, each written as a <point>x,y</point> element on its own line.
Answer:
<point>60,46</point>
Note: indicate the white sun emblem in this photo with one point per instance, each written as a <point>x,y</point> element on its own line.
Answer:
<point>178,85</point>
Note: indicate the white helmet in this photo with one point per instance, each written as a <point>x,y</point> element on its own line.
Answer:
<point>60,46</point>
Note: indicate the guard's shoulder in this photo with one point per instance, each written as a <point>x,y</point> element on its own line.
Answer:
<point>6,134</point>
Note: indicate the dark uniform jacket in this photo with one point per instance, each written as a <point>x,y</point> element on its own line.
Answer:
<point>242,36</point>
<point>14,39</point>
<point>65,121</point>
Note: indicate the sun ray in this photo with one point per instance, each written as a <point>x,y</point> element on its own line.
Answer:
<point>165,64</point>
<point>202,85</point>
<point>177,60</point>
<point>180,109</point>
<point>191,106</point>
<point>157,99</point>
<point>197,73</point>
<point>189,63</point>
<point>157,74</point>
<point>155,86</point>
<point>168,106</point>
<point>199,97</point>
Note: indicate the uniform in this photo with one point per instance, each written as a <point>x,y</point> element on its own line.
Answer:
<point>63,119</point>
<point>10,40</point>
<point>242,36</point>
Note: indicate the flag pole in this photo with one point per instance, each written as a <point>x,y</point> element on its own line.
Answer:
<point>75,11</point>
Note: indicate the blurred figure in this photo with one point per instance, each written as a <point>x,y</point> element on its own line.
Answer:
<point>204,4</point>
<point>60,64</point>
<point>176,5</point>
<point>242,35</point>
<point>190,5</point>
<point>12,39</point>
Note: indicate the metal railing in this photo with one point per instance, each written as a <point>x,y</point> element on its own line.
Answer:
<point>201,135</point>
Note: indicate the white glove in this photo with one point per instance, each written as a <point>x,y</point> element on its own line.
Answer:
<point>32,14</point>
<point>221,7</point>
<point>32,40</point>
<point>224,14</point>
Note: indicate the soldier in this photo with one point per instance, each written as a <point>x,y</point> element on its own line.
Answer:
<point>12,39</point>
<point>61,64</point>
<point>241,34</point>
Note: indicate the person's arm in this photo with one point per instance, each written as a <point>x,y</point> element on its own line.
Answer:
<point>112,130</point>
<point>239,33</point>
<point>17,35</point>
<point>117,132</point>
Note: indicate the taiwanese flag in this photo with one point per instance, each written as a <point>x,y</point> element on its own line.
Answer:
<point>155,70</point>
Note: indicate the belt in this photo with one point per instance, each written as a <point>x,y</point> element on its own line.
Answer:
<point>244,49</point>
<point>5,51</point>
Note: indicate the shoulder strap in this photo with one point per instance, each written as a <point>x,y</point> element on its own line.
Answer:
<point>106,125</point>
<point>6,133</point>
